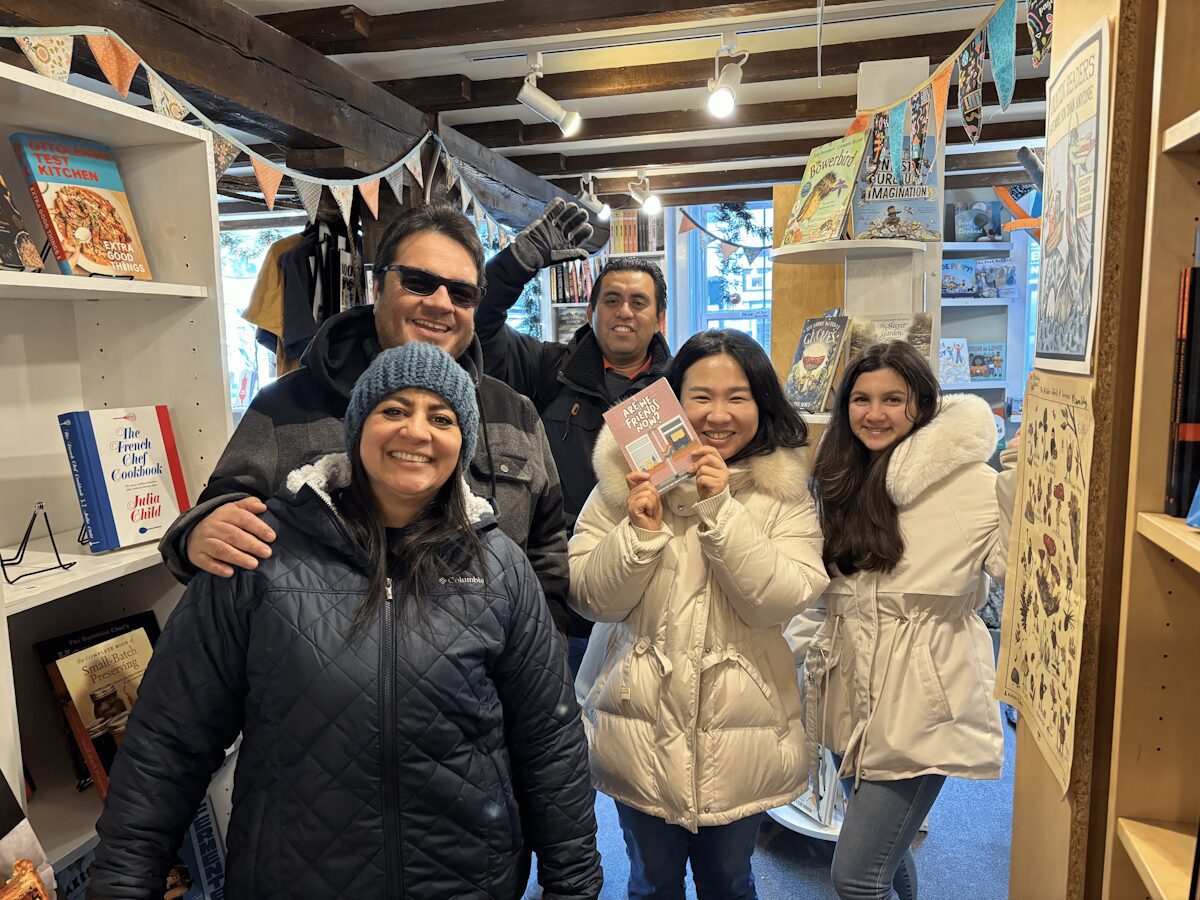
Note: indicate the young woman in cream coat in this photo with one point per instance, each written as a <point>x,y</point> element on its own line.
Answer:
<point>690,700</point>
<point>899,678</point>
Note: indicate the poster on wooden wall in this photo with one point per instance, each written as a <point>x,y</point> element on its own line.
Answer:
<point>1074,201</point>
<point>1044,590</point>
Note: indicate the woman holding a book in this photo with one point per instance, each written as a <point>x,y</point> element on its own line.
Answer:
<point>690,699</point>
<point>899,678</point>
<point>405,709</point>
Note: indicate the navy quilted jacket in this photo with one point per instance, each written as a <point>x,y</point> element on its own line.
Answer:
<point>410,763</point>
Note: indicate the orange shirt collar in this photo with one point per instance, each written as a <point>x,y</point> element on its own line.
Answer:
<point>645,366</point>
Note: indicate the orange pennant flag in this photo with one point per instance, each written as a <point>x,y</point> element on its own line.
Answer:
<point>370,195</point>
<point>686,224</point>
<point>268,179</point>
<point>859,124</point>
<point>116,61</point>
<point>941,89</point>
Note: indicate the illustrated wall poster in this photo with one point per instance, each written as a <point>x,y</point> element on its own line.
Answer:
<point>1042,629</point>
<point>1074,192</point>
<point>908,208</point>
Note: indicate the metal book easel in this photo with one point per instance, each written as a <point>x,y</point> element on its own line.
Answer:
<point>16,559</point>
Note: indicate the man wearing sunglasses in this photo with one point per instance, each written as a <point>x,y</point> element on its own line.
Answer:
<point>619,351</point>
<point>428,278</point>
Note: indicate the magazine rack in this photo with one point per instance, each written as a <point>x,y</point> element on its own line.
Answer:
<point>16,559</point>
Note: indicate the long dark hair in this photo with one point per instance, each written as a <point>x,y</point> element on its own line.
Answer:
<point>440,542</point>
<point>860,522</point>
<point>440,218</point>
<point>779,425</point>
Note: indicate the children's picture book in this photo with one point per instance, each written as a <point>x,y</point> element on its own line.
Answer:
<point>916,328</point>
<point>654,434</point>
<point>810,381</point>
<point>823,200</point>
<point>958,278</point>
<point>978,221</point>
<point>17,249</point>
<point>80,198</point>
<point>954,360</point>
<point>127,473</point>
<point>996,279</point>
<point>987,361</point>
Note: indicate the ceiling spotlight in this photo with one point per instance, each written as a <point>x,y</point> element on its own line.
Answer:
<point>542,103</point>
<point>587,196</point>
<point>640,191</point>
<point>722,89</point>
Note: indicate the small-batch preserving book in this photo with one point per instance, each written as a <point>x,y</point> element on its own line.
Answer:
<point>127,473</point>
<point>80,198</point>
<point>654,434</point>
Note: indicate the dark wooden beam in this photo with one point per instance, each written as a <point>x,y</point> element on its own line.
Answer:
<point>994,159</point>
<point>14,57</point>
<point>986,179</point>
<point>515,133</point>
<point>332,30</point>
<point>435,94</point>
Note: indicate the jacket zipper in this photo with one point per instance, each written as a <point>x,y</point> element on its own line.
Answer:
<point>394,865</point>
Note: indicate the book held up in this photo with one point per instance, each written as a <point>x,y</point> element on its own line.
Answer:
<point>655,435</point>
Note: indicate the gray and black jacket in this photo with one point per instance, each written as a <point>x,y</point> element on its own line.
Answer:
<point>299,417</point>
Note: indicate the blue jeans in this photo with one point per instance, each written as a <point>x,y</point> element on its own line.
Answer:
<point>576,646</point>
<point>658,854</point>
<point>874,853</point>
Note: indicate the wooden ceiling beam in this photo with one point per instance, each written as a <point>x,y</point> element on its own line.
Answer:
<point>434,94</point>
<point>341,29</point>
<point>986,179</point>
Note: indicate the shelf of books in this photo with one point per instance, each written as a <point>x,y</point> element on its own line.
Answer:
<point>1154,789</point>
<point>116,409</point>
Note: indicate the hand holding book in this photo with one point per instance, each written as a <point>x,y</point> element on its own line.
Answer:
<point>712,475</point>
<point>644,503</point>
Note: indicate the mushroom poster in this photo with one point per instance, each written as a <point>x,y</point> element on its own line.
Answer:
<point>1044,590</point>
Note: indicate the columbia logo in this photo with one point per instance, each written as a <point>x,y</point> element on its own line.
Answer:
<point>461,579</point>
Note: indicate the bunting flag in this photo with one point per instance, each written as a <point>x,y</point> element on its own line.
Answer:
<point>859,124</point>
<point>686,224</point>
<point>451,169</point>
<point>477,212</point>
<point>464,196</point>
<point>919,160</point>
<point>225,152</point>
<point>395,180</point>
<point>164,100</point>
<point>269,178</point>
<point>752,254</point>
<point>941,91</point>
<point>503,238</point>
<point>116,61</point>
<point>970,85</point>
<point>491,230</point>
<point>1041,26</point>
<point>310,196</point>
<point>727,249</point>
<point>895,134</point>
<point>344,195</point>
<point>370,194</point>
<point>412,162</point>
<point>49,56</point>
<point>1002,48</point>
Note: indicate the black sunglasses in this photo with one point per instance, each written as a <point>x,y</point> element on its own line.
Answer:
<point>417,281</point>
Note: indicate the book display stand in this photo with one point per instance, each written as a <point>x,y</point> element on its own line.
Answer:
<point>19,556</point>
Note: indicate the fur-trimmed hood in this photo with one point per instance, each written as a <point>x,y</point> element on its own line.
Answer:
<point>963,432</point>
<point>783,473</point>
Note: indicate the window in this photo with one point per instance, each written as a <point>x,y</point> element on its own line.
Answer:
<point>731,292</point>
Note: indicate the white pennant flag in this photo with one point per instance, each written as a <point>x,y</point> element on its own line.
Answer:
<point>477,212</point>
<point>491,227</point>
<point>344,195</point>
<point>464,196</point>
<point>165,103</point>
<point>310,196</point>
<point>727,250</point>
<point>413,163</point>
<point>395,180</point>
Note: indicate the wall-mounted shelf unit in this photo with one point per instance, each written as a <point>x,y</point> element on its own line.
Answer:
<point>820,253</point>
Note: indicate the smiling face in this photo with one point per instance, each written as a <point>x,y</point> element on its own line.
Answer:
<point>716,396</point>
<point>881,409</point>
<point>401,316</point>
<point>409,448</point>
<point>625,317</point>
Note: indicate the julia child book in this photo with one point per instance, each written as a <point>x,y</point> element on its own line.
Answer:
<point>654,434</point>
<point>127,473</point>
<point>80,199</point>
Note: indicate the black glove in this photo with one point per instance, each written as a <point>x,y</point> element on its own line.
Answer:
<point>556,235</point>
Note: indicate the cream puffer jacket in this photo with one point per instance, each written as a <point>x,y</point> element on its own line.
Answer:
<point>688,688</point>
<point>899,678</point>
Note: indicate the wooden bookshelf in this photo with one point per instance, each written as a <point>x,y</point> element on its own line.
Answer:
<point>1162,853</point>
<point>1183,136</point>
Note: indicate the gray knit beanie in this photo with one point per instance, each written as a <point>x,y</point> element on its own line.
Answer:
<point>415,365</point>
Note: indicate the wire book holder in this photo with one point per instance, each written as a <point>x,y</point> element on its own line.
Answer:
<point>16,558</point>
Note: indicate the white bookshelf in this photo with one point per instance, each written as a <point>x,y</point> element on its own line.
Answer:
<point>821,253</point>
<point>71,343</point>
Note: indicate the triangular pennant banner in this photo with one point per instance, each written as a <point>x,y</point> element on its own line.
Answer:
<point>464,196</point>
<point>395,180</point>
<point>1041,27</point>
<point>413,163</point>
<point>370,195</point>
<point>686,224</point>
<point>225,152</point>
<point>310,196</point>
<point>1002,48</point>
<point>116,61</point>
<point>941,91</point>
<point>451,169</point>
<point>859,124</point>
<point>49,56</point>
<point>164,101</point>
<point>344,195</point>
<point>896,116</point>
<point>268,179</point>
<point>503,238</point>
<point>970,85</point>
<point>727,249</point>
<point>491,229</point>
<point>477,212</point>
<point>920,154</point>
<point>752,254</point>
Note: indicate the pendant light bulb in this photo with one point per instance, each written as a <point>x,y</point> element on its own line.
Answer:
<point>722,89</point>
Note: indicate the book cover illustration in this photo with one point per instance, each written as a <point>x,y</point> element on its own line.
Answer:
<point>568,320</point>
<point>17,249</point>
<point>954,361</point>
<point>654,434</point>
<point>910,209</point>
<point>916,328</point>
<point>996,279</point>
<point>987,361</point>
<point>810,381</point>
<point>978,221</point>
<point>958,278</point>
<point>127,473</point>
<point>823,200</point>
<point>80,198</point>
<point>24,869</point>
